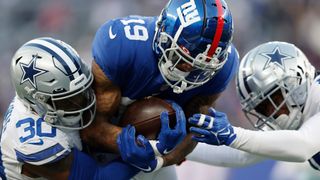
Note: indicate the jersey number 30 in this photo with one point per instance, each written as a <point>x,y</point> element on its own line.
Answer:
<point>32,128</point>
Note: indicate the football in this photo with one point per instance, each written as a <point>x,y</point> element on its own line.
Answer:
<point>144,115</point>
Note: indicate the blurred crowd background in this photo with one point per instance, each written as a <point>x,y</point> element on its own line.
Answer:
<point>75,22</point>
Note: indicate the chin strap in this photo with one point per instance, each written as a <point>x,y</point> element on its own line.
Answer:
<point>178,90</point>
<point>174,75</point>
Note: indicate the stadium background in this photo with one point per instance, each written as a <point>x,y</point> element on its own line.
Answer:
<point>75,21</point>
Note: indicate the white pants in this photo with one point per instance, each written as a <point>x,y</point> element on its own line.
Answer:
<point>168,172</point>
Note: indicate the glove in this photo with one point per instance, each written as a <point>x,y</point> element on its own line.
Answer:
<point>137,151</point>
<point>168,138</point>
<point>212,129</point>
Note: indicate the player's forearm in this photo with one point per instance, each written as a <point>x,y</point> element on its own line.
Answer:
<point>285,145</point>
<point>101,135</point>
<point>222,156</point>
<point>180,152</point>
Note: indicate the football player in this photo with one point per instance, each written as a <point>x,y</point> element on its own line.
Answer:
<point>54,100</point>
<point>279,93</point>
<point>184,55</point>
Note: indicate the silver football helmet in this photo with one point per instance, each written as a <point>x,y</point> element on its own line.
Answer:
<point>265,72</point>
<point>51,79</point>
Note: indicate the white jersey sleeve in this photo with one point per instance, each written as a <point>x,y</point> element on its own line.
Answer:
<point>287,145</point>
<point>222,156</point>
<point>41,150</point>
<point>26,138</point>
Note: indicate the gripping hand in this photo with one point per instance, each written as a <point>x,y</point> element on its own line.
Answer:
<point>168,138</point>
<point>212,129</point>
<point>137,151</point>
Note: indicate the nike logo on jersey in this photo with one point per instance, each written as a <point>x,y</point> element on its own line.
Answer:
<point>111,35</point>
<point>39,142</point>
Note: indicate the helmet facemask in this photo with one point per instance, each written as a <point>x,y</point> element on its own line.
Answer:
<point>279,108</point>
<point>203,68</point>
<point>70,110</point>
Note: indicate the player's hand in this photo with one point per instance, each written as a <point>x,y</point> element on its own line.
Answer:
<point>213,128</point>
<point>137,151</point>
<point>168,138</point>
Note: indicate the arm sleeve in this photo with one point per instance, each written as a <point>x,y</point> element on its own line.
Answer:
<point>84,167</point>
<point>222,156</point>
<point>286,145</point>
<point>112,55</point>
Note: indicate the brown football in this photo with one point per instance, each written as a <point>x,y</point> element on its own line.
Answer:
<point>144,115</point>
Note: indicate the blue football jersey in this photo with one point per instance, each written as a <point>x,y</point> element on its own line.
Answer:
<point>123,49</point>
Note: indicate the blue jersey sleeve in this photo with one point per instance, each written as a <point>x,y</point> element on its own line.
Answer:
<point>84,167</point>
<point>124,56</point>
<point>106,50</point>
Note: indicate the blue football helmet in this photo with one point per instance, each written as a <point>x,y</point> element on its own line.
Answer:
<point>51,79</point>
<point>195,32</point>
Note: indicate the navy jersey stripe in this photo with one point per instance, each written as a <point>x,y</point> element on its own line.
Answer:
<point>2,173</point>
<point>64,64</point>
<point>39,156</point>
<point>315,161</point>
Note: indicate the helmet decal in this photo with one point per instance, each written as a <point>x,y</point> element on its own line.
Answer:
<point>30,71</point>
<point>188,14</point>
<point>276,57</point>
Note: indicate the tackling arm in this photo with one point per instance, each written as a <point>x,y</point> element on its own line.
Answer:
<point>101,134</point>
<point>222,156</point>
<point>287,145</point>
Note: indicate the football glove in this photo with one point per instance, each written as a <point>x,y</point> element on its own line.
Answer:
<point>212,129</point>
<point>168,138</point>
<point>137,151</point>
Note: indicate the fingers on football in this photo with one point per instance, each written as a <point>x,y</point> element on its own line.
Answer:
<point>180,116</point>
<point>164,120</point>
<point>131,137</point>
<point>145,142</point>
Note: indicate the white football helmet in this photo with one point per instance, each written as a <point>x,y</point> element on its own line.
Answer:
<point>51,79</point>
<point>269,69</point>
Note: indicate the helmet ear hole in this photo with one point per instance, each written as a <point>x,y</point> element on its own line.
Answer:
<point>17,60</point>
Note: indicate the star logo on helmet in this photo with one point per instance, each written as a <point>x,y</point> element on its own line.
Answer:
<point>276,57</point>
<point>30,71</point>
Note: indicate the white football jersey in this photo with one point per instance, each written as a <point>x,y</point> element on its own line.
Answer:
<point>312,105</point>
<point>26,138</point>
